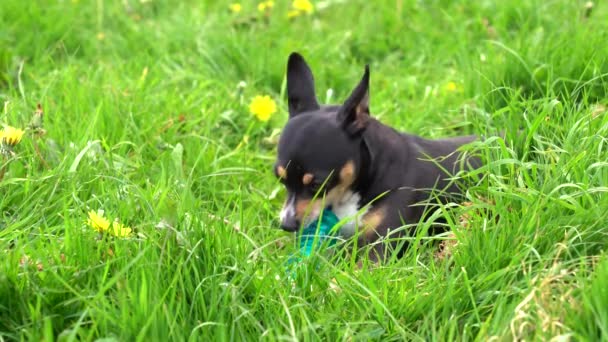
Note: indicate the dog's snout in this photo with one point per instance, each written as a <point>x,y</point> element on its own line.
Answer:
<point>289,223</point>
<point>289,220</point>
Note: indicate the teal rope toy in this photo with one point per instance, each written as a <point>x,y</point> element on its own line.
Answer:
<point>326,221</point>
<point>316,235</point>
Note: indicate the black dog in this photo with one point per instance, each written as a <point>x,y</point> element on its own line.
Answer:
<point>354,163</point>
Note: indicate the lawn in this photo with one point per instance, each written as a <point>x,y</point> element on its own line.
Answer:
<point>144,118</point>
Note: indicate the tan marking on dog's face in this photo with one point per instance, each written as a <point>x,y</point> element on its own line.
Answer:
<point>333,196</point>
<point>371,221</point>
<point>282,172</point>
<point>309,209</point>
<point>307,179</point>
<point>301,208</point>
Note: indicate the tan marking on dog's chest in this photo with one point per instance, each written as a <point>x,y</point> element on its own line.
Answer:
<point>347,174</point>
<point>371,221</point>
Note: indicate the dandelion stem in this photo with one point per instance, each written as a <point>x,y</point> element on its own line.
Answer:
<point>3,171</point>
<point>39,154</point>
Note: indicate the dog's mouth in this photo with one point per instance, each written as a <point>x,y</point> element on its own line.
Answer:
<point>290,229</point>
<point>289,222</point>
<point>294,227</point>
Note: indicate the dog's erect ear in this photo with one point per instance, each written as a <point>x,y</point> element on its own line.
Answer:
<point>354,113</point>
<point>300,86</point>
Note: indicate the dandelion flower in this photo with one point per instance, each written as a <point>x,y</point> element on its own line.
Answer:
<point>265,5</point>
<point>453,87</point>
<point>235,8</point>
<point>11,136</point>
<point>303,5</point>
<point>120,230</point>
<point>97,221</point>
<point>262,107</point>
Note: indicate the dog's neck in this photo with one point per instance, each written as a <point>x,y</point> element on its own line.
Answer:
<point>379,147</point>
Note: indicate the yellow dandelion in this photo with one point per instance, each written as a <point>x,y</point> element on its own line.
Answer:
<point>235,8</point>
<point>265,5</point>
<point>453,87</point>
<point>120,230</point>
<point>262,107</point>
<point>101,36</point>
<point>97,221</point>
<point>11,136</point>
<point>303,5</point>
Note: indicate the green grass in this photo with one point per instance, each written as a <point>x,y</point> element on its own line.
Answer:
<point>145,120</point>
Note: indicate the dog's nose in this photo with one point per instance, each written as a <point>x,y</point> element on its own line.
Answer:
<point>290,224</point>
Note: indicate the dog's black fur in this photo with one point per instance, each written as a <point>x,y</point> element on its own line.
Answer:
<point>341,151</point>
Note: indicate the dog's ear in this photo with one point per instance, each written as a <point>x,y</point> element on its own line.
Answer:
<point>354,113</point>
<point>300,86</point>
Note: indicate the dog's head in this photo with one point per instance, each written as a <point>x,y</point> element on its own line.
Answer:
<point>319,152</point>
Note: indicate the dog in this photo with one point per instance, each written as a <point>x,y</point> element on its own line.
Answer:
<point>339,156</point>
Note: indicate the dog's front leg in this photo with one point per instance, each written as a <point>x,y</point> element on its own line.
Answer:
<point>376,225</point>
<point>379,225</point>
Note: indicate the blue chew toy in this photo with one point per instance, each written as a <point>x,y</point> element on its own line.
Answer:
<point>310,233</point>
<point>315,235</point>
